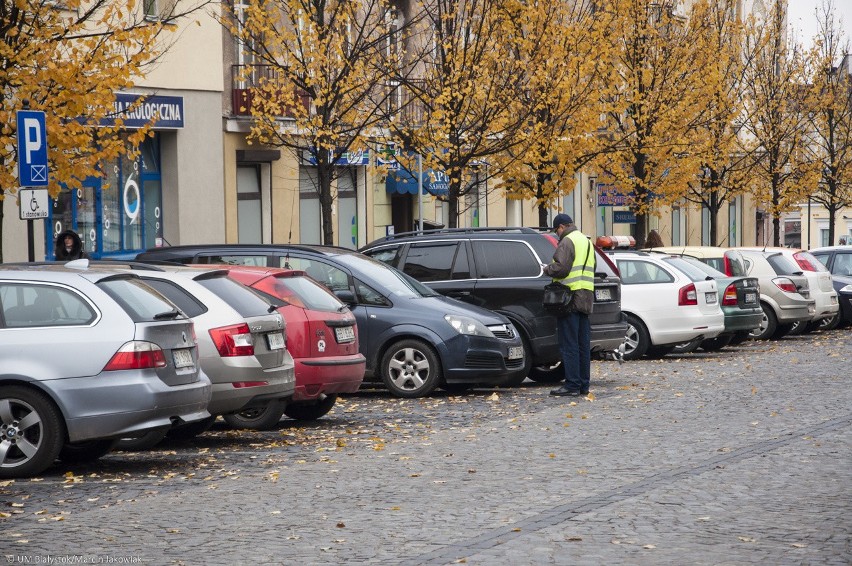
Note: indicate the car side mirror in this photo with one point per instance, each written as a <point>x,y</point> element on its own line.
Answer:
<point>346,296</point>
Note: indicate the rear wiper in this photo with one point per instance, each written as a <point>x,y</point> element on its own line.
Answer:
<point>168,315</point>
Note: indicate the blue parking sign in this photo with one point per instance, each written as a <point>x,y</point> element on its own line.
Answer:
<point>32,149</point>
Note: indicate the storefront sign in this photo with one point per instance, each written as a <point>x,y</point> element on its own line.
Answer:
<point>608,195</point>
<point>139,110</point>
<point>623,217</point>
<point>343,159</point>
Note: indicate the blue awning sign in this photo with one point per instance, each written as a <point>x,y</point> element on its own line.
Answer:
<point>139,110</point>
<point>404,182</point>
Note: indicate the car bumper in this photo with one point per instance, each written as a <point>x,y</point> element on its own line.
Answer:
<point>608,337</point>
<point>825,305</point>
<point>231,396</point>
<point>332,374</point>
<point>480,360</point>
<point>795,312</point>
<point>705,326</point>
<point>125,403</point>
<point>737,319</point>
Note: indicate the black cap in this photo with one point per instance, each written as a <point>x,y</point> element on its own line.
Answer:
<point>561,219</point>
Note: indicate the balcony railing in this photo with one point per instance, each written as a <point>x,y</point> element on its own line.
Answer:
<point>246,77</point>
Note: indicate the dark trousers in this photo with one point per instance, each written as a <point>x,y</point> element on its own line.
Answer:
<point>575,346</point>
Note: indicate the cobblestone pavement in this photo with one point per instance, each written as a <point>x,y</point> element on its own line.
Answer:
<point>736,457</point>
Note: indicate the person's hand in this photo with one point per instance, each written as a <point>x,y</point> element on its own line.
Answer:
<point>543,265</point>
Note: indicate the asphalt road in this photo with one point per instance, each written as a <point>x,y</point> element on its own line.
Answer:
<point>736,457</point>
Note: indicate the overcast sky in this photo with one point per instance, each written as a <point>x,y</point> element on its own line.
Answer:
<point>801,15</point>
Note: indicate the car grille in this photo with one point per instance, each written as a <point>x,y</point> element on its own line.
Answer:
<point>502,331</point>
<point>490,361</point>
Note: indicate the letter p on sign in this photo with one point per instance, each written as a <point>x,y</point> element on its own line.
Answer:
<point>32,149</point>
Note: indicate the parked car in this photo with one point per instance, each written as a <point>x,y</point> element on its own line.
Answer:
<point>739,299</point>
<point>87,357</point>
<point>500,269</point>
<point>241,342</point>
<point>413,338</point>
<point>322,337</point>
<point>666,302</point>
<point>838,260</point>
<point>819,285</point>
<point>726,260</point>
<point>784,294</point>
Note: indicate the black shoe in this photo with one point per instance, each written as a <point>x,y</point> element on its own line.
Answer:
<point>584,391</point>
<point>565,392</point>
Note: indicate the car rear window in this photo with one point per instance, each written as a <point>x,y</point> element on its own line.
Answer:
<point>698,264</point>
<point>300,291</point>
<point>138,300</point>
<point>179,296</point>
<point>244,300</point>
<point>694,272</point>
<point>808,262</point>
<point>782,265</point>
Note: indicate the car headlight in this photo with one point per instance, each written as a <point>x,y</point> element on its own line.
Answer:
<point>846,289</point>
<point>467,325</point>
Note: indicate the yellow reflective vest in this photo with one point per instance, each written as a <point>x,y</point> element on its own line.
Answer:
<point>582,274</point>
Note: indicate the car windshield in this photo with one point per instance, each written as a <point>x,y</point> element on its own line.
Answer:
<point>300,291</point>
<point>690,270</point>
<point>709,270</point>
<point>390,280</point>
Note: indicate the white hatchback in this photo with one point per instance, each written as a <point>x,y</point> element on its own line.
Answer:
<point>666,302</point>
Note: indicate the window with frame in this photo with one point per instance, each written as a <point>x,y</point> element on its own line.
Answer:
<point>501,258</point>
<point>151,9</point>
<point>431,261</point>
<point>27,305</point>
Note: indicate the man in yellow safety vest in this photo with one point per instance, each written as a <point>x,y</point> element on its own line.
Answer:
<point>573,265</point>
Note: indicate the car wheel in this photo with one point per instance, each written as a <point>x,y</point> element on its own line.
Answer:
<point>547,373</point>
<point>410,368</point>
<point>830,323</point>
<point>739,337</point>
<point>31,432</point>
<point>767,325</point>
<point>257,418</point>
<point>685,348</point>
<point>86,451</point>
<point>781,331</point>
<point>717,343</point>
<point>311,412</point>
<point>799,328</point>
<point>182,433</point>
<point>636,341</point>
<point>144,442</point>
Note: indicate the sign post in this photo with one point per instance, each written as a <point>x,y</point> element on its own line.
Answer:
<point>32,170</point>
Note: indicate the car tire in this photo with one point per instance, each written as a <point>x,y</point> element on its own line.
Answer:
<point>311,412</point>
<point>799,328</point>
<point>717,343</point>
<point>781,331</point>
<point>830,323</point>
<point>684,348</point>
<point>266,417</point>
<point>410,369</point>
<point>45,435</point>
<point>552,373</point>
<point>185,432</point>
<point>86,451</point>
<point>739,337</point>
<point>144,442</point>
<point>767,326</point>
<point>636,341</point>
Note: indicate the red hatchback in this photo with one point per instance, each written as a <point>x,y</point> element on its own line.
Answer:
<point>322,337</point>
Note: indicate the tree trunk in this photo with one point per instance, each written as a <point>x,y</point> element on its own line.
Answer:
<point>324,176</point>
<point>453,196</point>
<point>540,180</point>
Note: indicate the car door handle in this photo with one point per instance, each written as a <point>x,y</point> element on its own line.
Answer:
<point>458,294</point>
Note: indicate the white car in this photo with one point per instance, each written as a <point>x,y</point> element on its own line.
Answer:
<point>820,286</point>
<point>666,301</point>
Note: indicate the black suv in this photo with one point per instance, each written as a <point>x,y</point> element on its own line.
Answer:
<point>500,269</point>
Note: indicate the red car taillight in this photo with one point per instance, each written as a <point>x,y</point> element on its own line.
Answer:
<point>785,285</point>
<point>730,297</point>
<point>687,296</point>
<point>728,269</point>
<point>137,355</point>
<point>803,262</point>
<point>235,340</point>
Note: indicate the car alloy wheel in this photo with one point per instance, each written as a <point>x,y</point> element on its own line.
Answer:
<point>410,368</point>
<point>31,432</point>
<point>636,341</point>
<point>768,324</point>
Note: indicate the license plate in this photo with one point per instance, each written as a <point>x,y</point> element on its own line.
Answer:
<point>516,352</point>
<point>345,333</point>
<point>750,298</point>
<point>711,298</point>
<point>603,294</point>
<point>275,340</point>
<point>183,358</point>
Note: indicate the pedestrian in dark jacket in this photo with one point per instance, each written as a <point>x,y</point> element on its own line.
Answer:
<point>69,246</point>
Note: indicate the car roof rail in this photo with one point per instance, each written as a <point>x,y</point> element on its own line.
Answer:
<point>467,230</point>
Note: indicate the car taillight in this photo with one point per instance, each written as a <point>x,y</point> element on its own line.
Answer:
<point>785,285</point>
<point>235,340</point>
<point>687,296</point>
<point>728,269</point>
<point>137,355</point>
<point>803,262</point>
<point>730,297</point>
